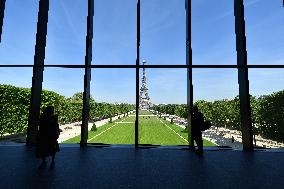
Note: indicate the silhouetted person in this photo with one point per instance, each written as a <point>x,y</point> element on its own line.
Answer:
<point>197,122</point>
<point>233,139</point>
<point>48,134</point>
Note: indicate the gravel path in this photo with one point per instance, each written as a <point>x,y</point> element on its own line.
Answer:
<point>223,137</point>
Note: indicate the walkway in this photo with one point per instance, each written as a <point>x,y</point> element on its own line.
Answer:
<point>222,136</point>
<point>74,129</point>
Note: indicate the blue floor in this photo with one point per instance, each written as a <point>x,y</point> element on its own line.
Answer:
<point>125,167</point>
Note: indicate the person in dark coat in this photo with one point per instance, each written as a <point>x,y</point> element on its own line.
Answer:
<point>48,134</point>
<point>197,121</point>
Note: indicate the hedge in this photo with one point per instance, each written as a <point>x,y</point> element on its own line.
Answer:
<point>267,113</point>
<point>15,101</point>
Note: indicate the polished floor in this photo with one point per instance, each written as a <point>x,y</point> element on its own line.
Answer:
<point>124,167</point>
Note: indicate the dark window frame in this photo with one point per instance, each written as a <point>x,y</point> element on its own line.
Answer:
<point>239,15</point>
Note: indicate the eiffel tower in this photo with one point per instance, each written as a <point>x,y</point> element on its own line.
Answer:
<point>144,99</point>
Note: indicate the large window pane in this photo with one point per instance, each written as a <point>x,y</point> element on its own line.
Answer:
<point>213,32</point>
<point>114,32</point>
<point>163,31</point>
<point>163,120</point>
<point>113,98</point>
<point>63,89</point>
<point>15,91</point>
<point>19,32</point>
<point>66,35</point>
<point>216,96</point>
<point>265,28</point>
<point>267,104</point>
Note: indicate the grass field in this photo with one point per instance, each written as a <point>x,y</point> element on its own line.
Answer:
<point>152,130</point>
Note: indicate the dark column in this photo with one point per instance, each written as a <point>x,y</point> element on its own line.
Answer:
<point>243,76</point>
<point>189,70</point>
<point>2,10</point>
<point>87,76</point>
<point>137,75</point>
<point>38,68</point>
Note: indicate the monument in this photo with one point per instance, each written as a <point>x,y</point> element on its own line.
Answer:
<point>144,99</point>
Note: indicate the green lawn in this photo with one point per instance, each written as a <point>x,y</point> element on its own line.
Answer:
<point>183,133</point>
<point>152,130</point>
<point>94,133</point>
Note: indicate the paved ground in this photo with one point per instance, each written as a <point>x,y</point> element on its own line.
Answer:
<point>220,140</point>
<point>125,167</point>
<point>223,137</point>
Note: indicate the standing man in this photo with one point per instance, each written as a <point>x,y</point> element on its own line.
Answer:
<point>197,122</point>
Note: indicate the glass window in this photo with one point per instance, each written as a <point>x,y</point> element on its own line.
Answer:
<point>112,106</point>
<point>267,105</point>
<point>15,94</point>
<point>163,32</point>
<point>216,96</point>
<point>264,31</point>
<point>163,109</point>
<point>213,32</point>
<point>66,35</point>
<point>115,32</point>
<point>19,33</point>
<point>63,89</point>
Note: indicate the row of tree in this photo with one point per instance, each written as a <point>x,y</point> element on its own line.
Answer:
<point>15,102</point>
<point>267,113</point>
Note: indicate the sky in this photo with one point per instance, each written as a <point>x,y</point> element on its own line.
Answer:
<point>163,33</point>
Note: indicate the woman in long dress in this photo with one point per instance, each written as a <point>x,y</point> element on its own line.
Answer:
<point>48,134</point>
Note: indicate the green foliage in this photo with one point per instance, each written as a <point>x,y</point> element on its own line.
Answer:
<point>267,113</point>
<point>94,127</point>
<point>222,113</point>
<point>172,109</point>
<point>110,120</point>
<point>15,102</point>
<point>14,106</point>
<point>270,116</point>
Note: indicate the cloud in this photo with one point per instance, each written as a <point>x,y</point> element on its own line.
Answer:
<point>162,22</point>
<point>231,12</point>
<point>70,20</point>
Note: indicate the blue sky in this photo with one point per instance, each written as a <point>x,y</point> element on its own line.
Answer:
<point>162,42</point>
